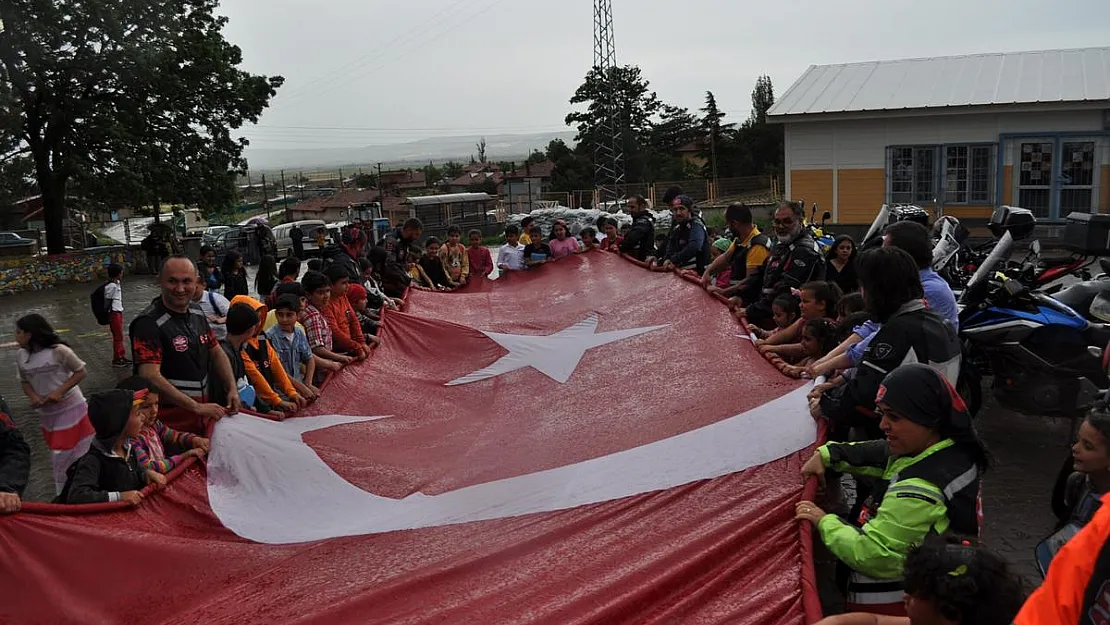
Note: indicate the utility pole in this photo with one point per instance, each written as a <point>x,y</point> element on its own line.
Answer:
<point>300,183</point>
<point>381,187</point>
<point>609,150</point>
<point>713,156</point>
<point>284,194</point>
<point>340,178</point>
<point>265,199</point>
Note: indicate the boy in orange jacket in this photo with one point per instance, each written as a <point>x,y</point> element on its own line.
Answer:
<point>264,370</point>
<point>346,330</point>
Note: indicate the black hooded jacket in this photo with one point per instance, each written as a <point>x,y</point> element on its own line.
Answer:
<point>639,243</point>
<point>100,475</point>
<point>15,458</point>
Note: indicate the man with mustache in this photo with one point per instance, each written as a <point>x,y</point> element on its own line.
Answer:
<point>795,260</point>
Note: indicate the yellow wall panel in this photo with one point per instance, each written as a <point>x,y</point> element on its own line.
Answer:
<point>812,185</point>
<point>969,212</point>
<point>1007,185</point>
<point>860,194</point>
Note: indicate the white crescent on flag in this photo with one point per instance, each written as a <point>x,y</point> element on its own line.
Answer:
<point>301,499</point>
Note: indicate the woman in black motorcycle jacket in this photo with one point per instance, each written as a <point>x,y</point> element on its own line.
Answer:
<point>910,332</point>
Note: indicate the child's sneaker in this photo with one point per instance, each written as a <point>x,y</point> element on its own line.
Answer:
<point>121,362</point>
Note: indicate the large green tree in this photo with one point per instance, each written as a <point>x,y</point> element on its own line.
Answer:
<point>625,97</point>
<point>573,171</point>
<point>720,152</point>
<point>761,143</point>
<point>128,100</point>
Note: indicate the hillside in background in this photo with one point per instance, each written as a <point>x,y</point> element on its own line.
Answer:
<point>498,147</point>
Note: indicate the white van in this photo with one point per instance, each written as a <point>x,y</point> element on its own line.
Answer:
<point>308,229</point>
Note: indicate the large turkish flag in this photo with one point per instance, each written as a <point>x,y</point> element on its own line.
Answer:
<point>583,443</point>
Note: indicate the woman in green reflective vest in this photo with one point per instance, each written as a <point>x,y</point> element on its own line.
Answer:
<point>928,472</point>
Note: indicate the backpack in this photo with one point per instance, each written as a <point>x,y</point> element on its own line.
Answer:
<point>100,305</point>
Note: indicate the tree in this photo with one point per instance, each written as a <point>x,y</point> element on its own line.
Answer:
<point>481,151</point>
<point>366,181</point>
<point>127,101</point>
<point>536,157</point>
<point>452,170</point>
<point>432,175</point>
<point>659,159</point>
<point>623,95</point>
<point>763,98</point>
<point>719,136</point>
<point>573,172</point>
<point>506,166</point>
<point>760,142</point>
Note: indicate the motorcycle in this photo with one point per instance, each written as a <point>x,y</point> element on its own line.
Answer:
<point>1037,348</point>
<point>824,239</point>
<point>955,260</point>
<point>887,215</point>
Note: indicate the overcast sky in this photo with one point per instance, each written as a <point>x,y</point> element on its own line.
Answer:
<point>363,72</point>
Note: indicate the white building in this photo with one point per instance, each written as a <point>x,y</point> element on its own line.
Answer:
<point>961,134</point>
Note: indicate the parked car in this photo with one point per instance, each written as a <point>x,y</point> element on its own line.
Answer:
<point>14,245</point>
<point>211,232</point>
<point>11,238</point>
<point>308,230</point>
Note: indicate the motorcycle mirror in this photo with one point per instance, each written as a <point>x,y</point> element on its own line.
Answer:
<point>825,216</point>
<point>1036,247</point>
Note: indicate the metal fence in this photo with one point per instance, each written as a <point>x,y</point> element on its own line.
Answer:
<point>763,188</point>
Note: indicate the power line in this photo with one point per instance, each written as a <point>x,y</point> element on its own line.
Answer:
<point>351,65</point>
<point>389,59</point>
<point>392,128</point>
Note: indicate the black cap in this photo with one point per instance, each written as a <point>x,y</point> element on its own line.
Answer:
<point>108,413</point>
<point>921,394</point>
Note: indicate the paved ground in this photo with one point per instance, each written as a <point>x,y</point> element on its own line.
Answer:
<point>1028,450</point>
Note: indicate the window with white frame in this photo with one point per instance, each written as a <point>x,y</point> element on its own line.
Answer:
<point>968,174</point>
<point>912,174</point>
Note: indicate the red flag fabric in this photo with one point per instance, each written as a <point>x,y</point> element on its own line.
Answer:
<point>582,443</point>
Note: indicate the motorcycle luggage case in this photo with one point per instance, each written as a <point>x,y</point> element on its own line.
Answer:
<point>1018,221</point>
<point>1088,234</point>
<point>909,212</point>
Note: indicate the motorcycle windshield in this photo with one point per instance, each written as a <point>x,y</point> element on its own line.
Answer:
<point>877,225</point>
<point>1000,252</point>
<point>946,247</point>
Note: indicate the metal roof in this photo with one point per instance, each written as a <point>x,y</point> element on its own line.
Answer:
<point>1048,76</point>
<point>429,200</point>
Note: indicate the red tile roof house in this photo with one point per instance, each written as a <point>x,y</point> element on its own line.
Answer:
<point>332,207</point>
<point>403,180</point>
<point>527,184</point>
<point>474,181</point>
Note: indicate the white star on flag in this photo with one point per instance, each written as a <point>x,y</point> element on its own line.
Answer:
<point>554,355</point>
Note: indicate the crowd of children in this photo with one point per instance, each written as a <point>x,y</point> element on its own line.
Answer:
<point>283,343</point>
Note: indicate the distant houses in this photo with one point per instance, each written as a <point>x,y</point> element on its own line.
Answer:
<point>468,200</point>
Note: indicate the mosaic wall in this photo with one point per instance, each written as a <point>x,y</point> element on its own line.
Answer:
<point>18,275</point>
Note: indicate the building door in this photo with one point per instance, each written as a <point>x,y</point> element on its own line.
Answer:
<point>1034,179</point>
<point>1077,177</point>
<point>1057,176</point>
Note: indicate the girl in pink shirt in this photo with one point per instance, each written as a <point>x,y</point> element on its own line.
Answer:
<point>563,244</point>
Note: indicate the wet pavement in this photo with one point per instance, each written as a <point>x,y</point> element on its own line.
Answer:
<point>68,309</point>
<point>1016,492</point>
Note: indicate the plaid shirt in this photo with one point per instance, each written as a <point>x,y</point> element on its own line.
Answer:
<point>316,328</point>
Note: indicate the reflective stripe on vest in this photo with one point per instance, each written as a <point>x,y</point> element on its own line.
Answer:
<point>868,591</point>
